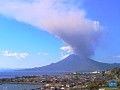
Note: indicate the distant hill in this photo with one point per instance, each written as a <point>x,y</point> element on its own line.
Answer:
<point>75,63</point>
<point>5,69</point>
<point>115,71</point>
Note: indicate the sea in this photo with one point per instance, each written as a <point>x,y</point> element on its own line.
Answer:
<point>13,74</point>
<point>18,86</point>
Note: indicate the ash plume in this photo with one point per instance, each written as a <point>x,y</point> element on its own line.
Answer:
<point>63,18</point>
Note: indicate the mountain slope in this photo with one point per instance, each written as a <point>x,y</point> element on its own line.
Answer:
<point>75,63</point>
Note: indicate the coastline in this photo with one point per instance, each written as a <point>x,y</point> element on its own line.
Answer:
<point>29,83</point>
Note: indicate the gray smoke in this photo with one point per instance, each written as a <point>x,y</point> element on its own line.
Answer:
<point>63,18</point>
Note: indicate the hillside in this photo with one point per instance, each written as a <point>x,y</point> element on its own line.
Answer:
<point>75,63</point>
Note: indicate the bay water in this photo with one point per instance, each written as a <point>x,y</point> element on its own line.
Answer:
<point>18,86</point>
<point>13,74</point>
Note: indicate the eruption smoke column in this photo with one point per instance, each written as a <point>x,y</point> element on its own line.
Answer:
<point>63,18</point>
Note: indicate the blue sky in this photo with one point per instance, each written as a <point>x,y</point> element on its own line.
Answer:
<point>27,41</point>
<point>108,14</point>
<point>18,37</point>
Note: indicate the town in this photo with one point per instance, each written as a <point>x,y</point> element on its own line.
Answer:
<point>72,81</point>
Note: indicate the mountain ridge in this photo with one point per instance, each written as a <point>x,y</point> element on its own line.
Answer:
<point>74,63</point>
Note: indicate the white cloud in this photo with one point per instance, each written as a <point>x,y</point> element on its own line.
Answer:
<point>117,56</point>
<point>67,48</point>
<point>42,53</point>
<point>14,54</point>
<point>64,56</point>
<point>65,53</point>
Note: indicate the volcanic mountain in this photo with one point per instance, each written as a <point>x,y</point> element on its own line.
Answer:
<point>75,63</point>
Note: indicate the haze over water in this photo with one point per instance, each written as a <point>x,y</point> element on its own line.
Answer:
<point>18,86</point>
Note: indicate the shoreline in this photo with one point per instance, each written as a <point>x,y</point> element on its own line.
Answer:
<point>22,83</point>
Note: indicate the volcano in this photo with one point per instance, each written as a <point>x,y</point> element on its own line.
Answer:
<point>74,63</point>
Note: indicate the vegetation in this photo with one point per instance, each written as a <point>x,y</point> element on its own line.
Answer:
<point>74,81</point>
